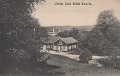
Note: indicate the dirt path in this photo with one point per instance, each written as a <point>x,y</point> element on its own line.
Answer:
<point>65,54</point>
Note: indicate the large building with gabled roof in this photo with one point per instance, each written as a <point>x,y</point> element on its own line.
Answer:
<point>60,44</point>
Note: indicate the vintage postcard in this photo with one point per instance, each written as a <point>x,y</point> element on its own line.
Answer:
<point>59,38</point>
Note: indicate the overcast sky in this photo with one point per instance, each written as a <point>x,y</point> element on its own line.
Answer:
<point>50,14</point>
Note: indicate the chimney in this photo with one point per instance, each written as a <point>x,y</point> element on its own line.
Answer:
<point>53,33</point>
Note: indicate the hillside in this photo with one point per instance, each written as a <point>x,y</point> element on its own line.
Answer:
<point>69,67</point>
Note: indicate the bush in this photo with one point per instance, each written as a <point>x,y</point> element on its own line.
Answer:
<point>85,56</point>
<point>110,63</point>
<point>113,61</point>
<point>15,60</point>
<point>75,51</point>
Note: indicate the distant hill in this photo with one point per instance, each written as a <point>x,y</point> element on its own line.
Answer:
<point>62,28</point>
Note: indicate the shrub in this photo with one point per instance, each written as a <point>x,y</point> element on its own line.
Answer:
<point>75,51</point>
<point>113,61</point>
<point>110,63</point>
<point>18,60</point>
<point>85,56</point>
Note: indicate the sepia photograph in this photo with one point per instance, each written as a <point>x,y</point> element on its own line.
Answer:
<point>59,38</point>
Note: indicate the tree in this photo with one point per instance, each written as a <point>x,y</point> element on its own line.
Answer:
<point>97,43</point>
<point>104,37</point>
<point>109,25</point>
<point>17,32</point>
<point>73,32</point>
<point>64,33</point>
<point>69,33</point>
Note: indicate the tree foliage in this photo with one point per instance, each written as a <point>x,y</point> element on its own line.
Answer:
<point>104,37</point>
<point>18,32</point>
<point>65,33</point>
<point>85,56</point>
<point>109,25</point>
<point>74,32</point>
<point>97,43</point>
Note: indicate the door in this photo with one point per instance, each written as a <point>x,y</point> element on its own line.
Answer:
<point>59,48</point>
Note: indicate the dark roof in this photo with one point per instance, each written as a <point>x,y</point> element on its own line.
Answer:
<point>67,40</point>
<point>52,39</point>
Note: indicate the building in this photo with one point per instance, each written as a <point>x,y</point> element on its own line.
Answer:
<point>60,44</point>
<point>53,31</point>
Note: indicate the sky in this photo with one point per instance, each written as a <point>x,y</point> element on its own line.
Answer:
<point>49,14</point>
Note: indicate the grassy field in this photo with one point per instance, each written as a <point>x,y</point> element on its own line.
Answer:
<point>69,67</point>
<point>63,66</point>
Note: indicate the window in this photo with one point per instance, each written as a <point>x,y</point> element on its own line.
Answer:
<point>51,46</point>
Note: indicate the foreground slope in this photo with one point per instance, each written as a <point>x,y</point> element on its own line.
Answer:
<point>69,67</point>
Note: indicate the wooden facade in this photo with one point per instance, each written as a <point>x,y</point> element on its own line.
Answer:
<point>61,44</point>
